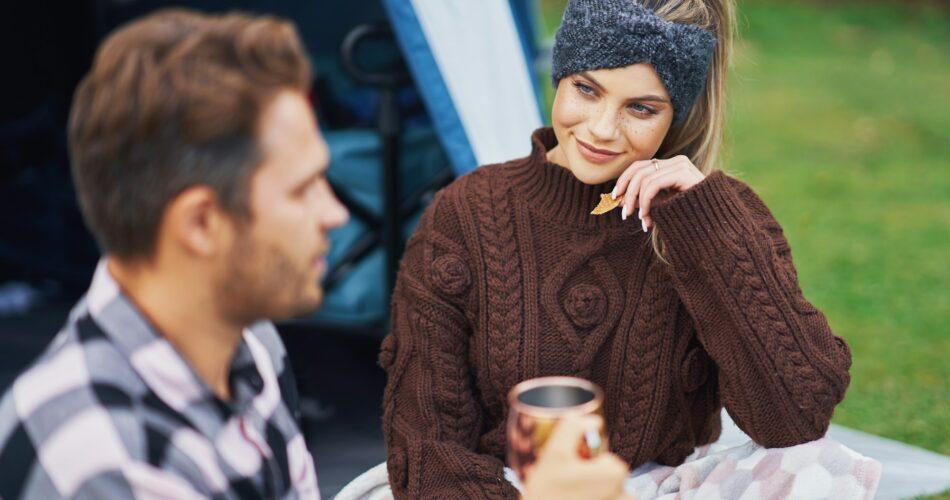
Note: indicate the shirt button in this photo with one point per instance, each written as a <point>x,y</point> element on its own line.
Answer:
<point>256,382</point>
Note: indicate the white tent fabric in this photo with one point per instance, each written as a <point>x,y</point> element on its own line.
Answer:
<point>490,84</point>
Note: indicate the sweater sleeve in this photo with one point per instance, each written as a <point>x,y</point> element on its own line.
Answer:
<point>781,369</point>
<point>432,419</point>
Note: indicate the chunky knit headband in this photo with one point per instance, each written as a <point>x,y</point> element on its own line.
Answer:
<point>598,34</point>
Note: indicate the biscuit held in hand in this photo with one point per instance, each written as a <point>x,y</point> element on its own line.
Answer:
<point>607,203</point>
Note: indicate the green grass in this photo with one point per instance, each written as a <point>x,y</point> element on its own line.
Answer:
<point>939,496</point>
<point>839,117</point>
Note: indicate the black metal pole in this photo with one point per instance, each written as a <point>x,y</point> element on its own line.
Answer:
<point>392,222</point>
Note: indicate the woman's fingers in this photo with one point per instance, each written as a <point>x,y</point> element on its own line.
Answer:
<point>621,187</point>
<point>568,433</point>
<point>650,187</point>
<point>629,182</point>
<point>633,190</point>
<point>643,180</point>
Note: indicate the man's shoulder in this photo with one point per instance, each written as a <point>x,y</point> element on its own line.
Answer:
<point>78,367</point>
<point>79,396</point>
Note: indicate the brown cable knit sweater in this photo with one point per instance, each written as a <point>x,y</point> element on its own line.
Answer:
<point>508,277</point>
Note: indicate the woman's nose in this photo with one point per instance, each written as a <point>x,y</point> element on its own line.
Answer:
<point>603,126</point>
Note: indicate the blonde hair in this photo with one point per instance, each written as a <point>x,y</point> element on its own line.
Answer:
<point>699,137</point>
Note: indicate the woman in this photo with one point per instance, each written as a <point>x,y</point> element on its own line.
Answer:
<point>681,301</point>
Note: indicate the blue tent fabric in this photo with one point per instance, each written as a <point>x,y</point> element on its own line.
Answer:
<point>525,13</point>
<point>431,85</point>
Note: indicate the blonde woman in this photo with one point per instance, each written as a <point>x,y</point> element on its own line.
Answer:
<point>681,301</point>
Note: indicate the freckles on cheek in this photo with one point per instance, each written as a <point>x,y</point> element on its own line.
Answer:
<point>568,111</point>
<point>643,138</point>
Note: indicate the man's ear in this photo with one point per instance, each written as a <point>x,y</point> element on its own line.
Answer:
<point>196,222</point>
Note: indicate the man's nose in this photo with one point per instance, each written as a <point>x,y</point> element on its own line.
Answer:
<point>335,214</point>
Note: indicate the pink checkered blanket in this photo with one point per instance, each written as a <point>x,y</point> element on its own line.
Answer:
<point>819,469</point>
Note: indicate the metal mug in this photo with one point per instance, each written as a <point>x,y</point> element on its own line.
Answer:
<point>534,408</point>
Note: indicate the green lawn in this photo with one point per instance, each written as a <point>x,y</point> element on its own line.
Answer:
<point>840,119</point>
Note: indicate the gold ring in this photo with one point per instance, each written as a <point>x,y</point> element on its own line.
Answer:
<point>656,165</point>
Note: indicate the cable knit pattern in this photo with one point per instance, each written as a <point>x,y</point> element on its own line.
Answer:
<point>431,418</point>
<point>585,305</point>
<point>725,323</point>
<point>735,263</point>
<point>582,344</point>
<point>451,274</point>
<point>772,327</point>
<point>638,391</point>
<point>496,230</point>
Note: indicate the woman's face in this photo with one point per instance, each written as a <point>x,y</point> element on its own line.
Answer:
<point>606,119</point>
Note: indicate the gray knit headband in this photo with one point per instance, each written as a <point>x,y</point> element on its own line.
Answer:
<point>599,34</point>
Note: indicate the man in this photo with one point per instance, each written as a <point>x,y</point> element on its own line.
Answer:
<point>201,173</point>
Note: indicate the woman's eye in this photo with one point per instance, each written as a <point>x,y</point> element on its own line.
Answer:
<point>641,109</point>
<point>584,88</point>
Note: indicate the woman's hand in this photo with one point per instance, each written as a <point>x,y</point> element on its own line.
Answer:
<point>642,182</point>
<point>561,473</point>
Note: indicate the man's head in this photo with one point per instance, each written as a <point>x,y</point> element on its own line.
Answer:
<point>194,146</point>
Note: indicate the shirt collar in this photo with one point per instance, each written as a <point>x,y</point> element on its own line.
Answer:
<point>163,369</point>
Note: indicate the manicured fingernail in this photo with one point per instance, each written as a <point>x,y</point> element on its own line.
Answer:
<point>623,213</point>
<point>613,194</point>
<point>639,216</point>
<point>644,225</point>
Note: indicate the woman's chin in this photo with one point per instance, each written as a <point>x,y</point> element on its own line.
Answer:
<point>592,174</point>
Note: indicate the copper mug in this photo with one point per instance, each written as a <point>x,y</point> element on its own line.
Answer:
<point>534,408</point>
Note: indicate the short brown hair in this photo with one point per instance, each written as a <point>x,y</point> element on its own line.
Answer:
<point>173,100</point>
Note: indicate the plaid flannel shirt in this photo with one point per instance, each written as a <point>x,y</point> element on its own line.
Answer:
<point>112,410</point>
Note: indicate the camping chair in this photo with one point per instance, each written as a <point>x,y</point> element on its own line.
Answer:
<point>385,231</point>
<point>385,177</point>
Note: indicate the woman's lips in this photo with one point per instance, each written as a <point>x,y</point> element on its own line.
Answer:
<point>594,155</point>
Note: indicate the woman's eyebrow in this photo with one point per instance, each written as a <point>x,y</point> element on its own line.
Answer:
<point>649,97</point>
<point>592,79</point>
